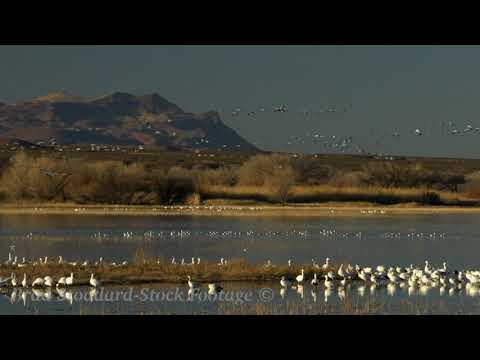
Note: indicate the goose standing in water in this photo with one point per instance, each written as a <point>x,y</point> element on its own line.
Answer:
<point>214,288</point>
<point>363,276</point>
<point>38,282</point>
<point>14,280</point>
<point>24,281</point>
<point>341,272</point>
<point>192,285</point>
<point>326,266</point>
<point>94,282</point>
<point>69,280</point>
<point>284,282</point>
<point>328,282</point>
<point>61,281</point>
<point>48,281</point>
<point>300,277</point>
<point>315,280</point>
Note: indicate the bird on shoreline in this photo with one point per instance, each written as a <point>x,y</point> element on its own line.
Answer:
<point>94,282</point>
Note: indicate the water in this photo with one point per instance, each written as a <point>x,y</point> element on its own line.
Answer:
<point>243,298</point>
<point>366,240</point>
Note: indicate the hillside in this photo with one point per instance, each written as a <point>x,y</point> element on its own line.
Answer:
<point>116,119</point>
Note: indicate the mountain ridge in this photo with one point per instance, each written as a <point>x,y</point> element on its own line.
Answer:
<point>119,118</point>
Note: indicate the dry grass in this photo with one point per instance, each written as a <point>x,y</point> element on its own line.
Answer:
<point>144,270</point>
<point>328,193</point>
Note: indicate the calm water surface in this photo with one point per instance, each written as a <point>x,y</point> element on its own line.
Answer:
<point>366,240</point>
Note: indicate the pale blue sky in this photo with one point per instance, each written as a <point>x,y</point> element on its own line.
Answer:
<point>387,88</point>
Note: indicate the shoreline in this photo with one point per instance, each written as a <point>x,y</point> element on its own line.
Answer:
<point>294,210</point>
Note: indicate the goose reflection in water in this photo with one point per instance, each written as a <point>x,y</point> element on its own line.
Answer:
<point>92,294</point>
<point>341,293</point>
<point>300,291</point>
<point>328,293</point>
<point>283,292</point>
<point>391,289</point>
<point>314,295</point>
<point>13,296</point>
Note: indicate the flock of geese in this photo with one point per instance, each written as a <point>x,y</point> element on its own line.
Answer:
<point>415,277</point>
<point>47,281</point>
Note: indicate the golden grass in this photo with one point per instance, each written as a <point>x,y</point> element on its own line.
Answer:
<point>149,271</point>
<point>328,193</point>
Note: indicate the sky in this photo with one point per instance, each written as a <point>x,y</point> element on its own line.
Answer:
<point>385,89</point>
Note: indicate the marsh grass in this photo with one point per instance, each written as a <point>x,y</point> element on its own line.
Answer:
<point>328,193</point>
<point>144,270</point>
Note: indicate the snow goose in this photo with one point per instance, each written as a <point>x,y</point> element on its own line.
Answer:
<point>61,281</point>
<point>69,280</point>
<point>315,280</point>
<point>191,284</point>
<point>48,281</point>
<point>38,282</point>
<point>215,288</point>
<point>94,282</point>
<point>341,272</point>
<point>14,280</point>
<point>363,276</point>
<point>393,277</point>
<point>326,266</point>
<point>300,277</point>
<point>328,282</point>
<point>284,282</point>
<point>427,268</point>
<point>24,281</point>
<point>367,270</point>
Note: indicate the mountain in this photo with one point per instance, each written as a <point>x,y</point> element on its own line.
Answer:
<point>116,119</point>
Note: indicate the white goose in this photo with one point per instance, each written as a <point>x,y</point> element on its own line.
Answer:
<point>300,277</point>
<point>315,280</point>
<point>214,288</point>
<point>363,276</point>
<point>94,282</point>
<point>14,280</point>
<point>69,280</point>
<point>284,282</point>
<point>61,281</point>
<point>48,281</point>
<point>328,282</point>
<point>341,272</point>
<point>38,282</point>
<point>191,284</point>
<point>326,266</point>
<point>24,281</point>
